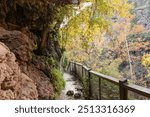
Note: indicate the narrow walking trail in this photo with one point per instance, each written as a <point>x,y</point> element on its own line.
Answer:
<point>72,84</point>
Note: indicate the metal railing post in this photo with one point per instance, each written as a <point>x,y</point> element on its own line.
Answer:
<point>122,90</point>
<point>89,81</point>
<point>82,74</point>
<point>100,89</point>
<point>75,68</point>
<point>71,67</point>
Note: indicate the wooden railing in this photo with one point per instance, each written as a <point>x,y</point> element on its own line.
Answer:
<point>95,84</point>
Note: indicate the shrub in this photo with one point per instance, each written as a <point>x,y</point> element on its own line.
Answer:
<point>146,62</point>
<point>85,87</point>
<point>59,82</point>
<point>50,61</point>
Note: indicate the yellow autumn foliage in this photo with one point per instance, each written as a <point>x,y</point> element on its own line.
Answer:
<point>146,62</point>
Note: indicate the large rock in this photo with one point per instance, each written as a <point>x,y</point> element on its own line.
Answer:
<point>22,46</point>
<point>13,83</point>
<point>32,13</point>
<point>18,43</point>
<point>70,93</point>
<point>29,20</point>
<point>77,95</point>
<point>43,83</point>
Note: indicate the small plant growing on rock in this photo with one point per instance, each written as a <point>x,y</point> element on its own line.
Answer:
<point>59,82</point>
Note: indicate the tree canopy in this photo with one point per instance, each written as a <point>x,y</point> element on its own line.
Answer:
<point>89,23</point>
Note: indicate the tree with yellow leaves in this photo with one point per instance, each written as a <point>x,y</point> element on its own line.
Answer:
<point>85,31</point>
<point>146,62</point>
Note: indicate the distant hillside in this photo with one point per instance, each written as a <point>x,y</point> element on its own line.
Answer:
<point>142,9</point>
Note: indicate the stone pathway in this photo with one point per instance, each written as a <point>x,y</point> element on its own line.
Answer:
<point>72,84</point>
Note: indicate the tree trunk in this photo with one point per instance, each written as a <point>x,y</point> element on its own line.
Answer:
<point>128,51</point>
<point>44,37</point>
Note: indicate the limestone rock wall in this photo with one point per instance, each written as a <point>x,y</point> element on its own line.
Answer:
<point>31,82</point>
<point>29,28</point>
<point>14,84</point>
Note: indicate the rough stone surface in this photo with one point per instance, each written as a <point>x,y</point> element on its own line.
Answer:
<point>43,83</point>
<point>142,9</point>
<point>31,76</point>
<point>70,93</point>
<point>13,83</point>
<point>23,22</point>
<point>18,43</point>
<point>77,95</point>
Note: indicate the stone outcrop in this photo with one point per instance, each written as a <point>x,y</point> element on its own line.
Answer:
<point>13,83</point>
<point>29,28</point>
<point>18,43</point>
<point>142,10</point>
<point>22,46</point>
<point>43,83</point>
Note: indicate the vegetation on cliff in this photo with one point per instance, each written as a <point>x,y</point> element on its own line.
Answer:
<point>34,39</point>
<point>97,33</point>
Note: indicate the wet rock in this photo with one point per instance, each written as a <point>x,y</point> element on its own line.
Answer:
<point>70,93</point>
<point>79,89</point>
<point>75,83</point>
<point>77,95</point>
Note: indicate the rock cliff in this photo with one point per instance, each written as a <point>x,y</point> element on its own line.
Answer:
<point>14,84</point>
<point>29,47</point>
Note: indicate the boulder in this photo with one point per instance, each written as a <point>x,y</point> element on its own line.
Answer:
<point>22,46</point>
<point>77,95</point>
<point>13,83</point>
<point>70,93</point>
<point>18,43</point>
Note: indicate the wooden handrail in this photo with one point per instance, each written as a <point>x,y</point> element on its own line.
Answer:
<point>123,84</point>
<point>68,66</point>
<point>79,64</point>
<point>138,89</point>
<point>86,68</point>
<point>105,77</point>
